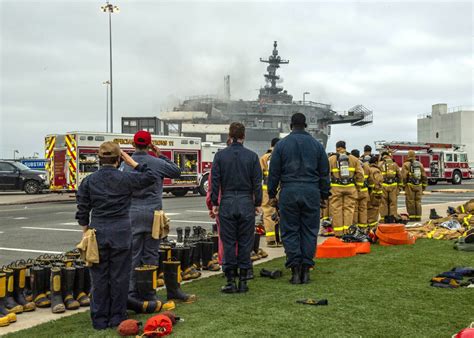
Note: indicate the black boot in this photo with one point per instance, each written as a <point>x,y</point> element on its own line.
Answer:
<point>87,282</point>
<point>273,274</point>
<point>68,276</point>
<point>57,305</point>
<point>172,282</point>
<point>6,317</point>
<point>187,234</point>
<point>47,279</point>
<point>231,286</point>
<point>243,277</point>
<point>434,214</point>
<point>295,274</point>
<point>79,290</point>
<point>215,245</point>
<point>19,279</point>
<point>179,231</point>
<point>9,301</point>
<point>207,261</point>
<point>27,290</point>
<point>145,301</point>
<point>196,255</point>
<point>161,258</point>
<point>305,274</point>
<point>38,286</point>
<point>189,272</point>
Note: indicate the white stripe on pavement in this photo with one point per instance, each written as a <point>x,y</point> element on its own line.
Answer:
<point>29,250</point>
<point>53,229</point>
<point>70,223</point>
<point>203,211</point>
<point>197,222</point>
<point>20,218</point>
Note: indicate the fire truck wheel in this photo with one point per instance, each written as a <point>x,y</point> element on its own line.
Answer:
<point>180,192</point>
<point>204,186</point>
<point>457,178</point>
<point>32,187</point>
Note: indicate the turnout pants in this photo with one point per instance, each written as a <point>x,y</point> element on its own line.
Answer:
<point>268,223</point>
<point>237,228</point>
<point>413,193</point>
<point>299,222</point>
<point>341,207</point>
<point>360,210</point>
<point>110,278</point>
<point>388,207</point>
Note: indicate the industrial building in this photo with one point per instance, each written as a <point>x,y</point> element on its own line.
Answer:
<point>454,125</point>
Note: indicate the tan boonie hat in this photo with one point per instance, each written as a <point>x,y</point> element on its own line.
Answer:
<point>109,149</point>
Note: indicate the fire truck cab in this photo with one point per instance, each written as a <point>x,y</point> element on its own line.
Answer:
<point>72,156</point>
<point>208,152</point>
<point>442,161</point>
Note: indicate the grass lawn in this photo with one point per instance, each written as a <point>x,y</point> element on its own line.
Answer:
<point>384,293</point>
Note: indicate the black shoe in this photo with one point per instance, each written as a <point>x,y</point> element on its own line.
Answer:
<point>295,274</point>
<point>231,286</point>
<point>305,274</point>
<point>273,274</point>
<point>243,277</point>
<point>434,214</point>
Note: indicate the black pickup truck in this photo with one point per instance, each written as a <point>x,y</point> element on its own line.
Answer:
<point>17,176</point>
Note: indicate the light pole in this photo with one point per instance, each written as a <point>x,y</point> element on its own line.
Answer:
<point>304,96</point>
<point>106,83</point>
<point>14,153</point>
<point>109,8</point>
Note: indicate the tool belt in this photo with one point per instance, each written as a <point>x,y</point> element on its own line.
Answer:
<point>342,181</point>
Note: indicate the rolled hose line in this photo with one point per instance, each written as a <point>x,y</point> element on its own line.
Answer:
<point>394,235</point>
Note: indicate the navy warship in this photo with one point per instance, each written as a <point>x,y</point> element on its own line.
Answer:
<point>264,118</point>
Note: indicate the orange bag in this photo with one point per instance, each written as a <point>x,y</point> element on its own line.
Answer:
<point>391,228</point>
<point>335,248</point>
<point>394,234</point>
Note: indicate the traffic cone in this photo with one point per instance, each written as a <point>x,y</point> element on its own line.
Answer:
<point>68,275</point>
<point>19,278</point>
<point>172,274</point>
<point>57,305</point>
<point>6,317</point>
<point>38,285</point>
<point>79,287</point>
<point>9,301</point>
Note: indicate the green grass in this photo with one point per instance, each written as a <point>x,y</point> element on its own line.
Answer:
<point>385,293</point>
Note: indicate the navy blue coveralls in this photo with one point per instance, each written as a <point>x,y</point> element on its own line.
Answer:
<point>236,172</point>
<point>103,203</point>
<point>144,203</point>
<point>300,166</point>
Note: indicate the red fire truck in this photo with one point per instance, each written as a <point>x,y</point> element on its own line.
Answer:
<point>442,161</point>
<point>72,156</point>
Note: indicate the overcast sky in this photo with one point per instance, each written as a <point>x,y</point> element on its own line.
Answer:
<point>395,58</point>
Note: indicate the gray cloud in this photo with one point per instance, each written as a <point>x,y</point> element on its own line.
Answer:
<point>395,58</point>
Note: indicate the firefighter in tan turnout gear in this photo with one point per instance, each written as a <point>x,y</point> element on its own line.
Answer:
<point>391,185</point>
<point>268,210</point>
<point>347,178</point>
<point>415,181</point>
<point>375,192</point>
<point>360,211</point>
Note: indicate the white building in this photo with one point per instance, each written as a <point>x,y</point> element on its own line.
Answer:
<point>443,125</point>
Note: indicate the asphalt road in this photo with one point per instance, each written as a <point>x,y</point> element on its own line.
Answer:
<point>29,230</point>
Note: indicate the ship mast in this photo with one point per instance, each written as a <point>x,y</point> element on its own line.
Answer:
<point>271,92</point>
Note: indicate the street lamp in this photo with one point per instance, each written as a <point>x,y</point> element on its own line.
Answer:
<point>304,96</point>
<point>14,153</point>
<point>106,83</point>
<point>109,8</point>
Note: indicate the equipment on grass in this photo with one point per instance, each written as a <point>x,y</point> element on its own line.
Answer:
<point>466,333</point>
<point>273,274</point>
<point>172,276</point>
<point>158,326</point>
<point>129,327</point>
<point>231,285</point>
<point>68,275</point>
<point>434,214</point>
<point>79,286</point>
<point>207,262</point>
<point>311,301</point>
<point>394,234</point>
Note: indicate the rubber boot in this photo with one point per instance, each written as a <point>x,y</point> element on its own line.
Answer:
<point>305,274</point>
<point>161,258</point>
<point>172,281</point>
<point>187,234</point>
<point>87,281</point>
<point>194,273</point>
<point>215,244</point>
<point>79,281</point>
<point>47,284</point>
<point>186,263</point>
<point>68,276</point>
<point>9,301</point>
<point>27,292</point>
<point>145,300</point>
<point>207,262</point>
<point>179,231</point>
<point>256,246</point>
<point>6,317</point>
<point>38,284</point>
<point>434,214</point>
<point>196,255</point>
<point>243,277</point>
<point>231,286</point>
<point>57,305</point>
<point>273,274</point>
<point>19,279</point>
<point>295,274</point>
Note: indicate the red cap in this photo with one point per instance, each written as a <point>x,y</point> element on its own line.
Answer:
<point>142,138</point>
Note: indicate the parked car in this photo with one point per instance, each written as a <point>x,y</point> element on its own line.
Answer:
<point>17,176</point>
